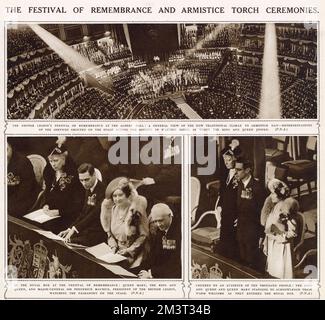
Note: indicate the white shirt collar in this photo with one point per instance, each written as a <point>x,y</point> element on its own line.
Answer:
<point>94,186</point>
<point>232,172</point>
<point>247,180</point>
<point>57,175</point>
<point>166,231</point>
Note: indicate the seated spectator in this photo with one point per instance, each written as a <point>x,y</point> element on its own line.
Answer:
<point>87,229</point>
<point>63,191</point>
<point>22,40</point>
<point>165,245</point>
<point>161,109</point>
<point>22,187</point>
<point>227,59</point>
<point>24,102</point>
<point>124,219</point>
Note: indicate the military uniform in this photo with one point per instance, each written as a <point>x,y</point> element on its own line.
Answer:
<point>250,200</point>
<point>88,226</point>
<point>228,203</point>
<point>165,253</point>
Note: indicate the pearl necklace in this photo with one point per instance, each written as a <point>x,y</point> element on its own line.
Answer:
<point>121,214</point>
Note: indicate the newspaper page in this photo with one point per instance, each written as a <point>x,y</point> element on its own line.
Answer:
<point>161,150</point>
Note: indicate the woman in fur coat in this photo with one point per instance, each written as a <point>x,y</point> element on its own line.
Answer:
<point>279,218</point>
<point>124,219</point>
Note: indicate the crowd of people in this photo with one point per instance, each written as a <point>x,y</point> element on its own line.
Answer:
<point>300,102</point>
<point>139,225</point>
<point>136,63</point>
<point>287,40</point>
<point>22,40</point>
<point>297,32</point>
<point>160,109</point>
<point>135,80</point>
<point>235,92</point>
<point>255,45</point>
<point>286,81</point>
<point>253,29</point>
<point>220,105</point>
<point>23,103</point>
<point>210,36</point>
<point>241,85</point>
<point>228,36</point>
<point>259,227</point>
<point>102,53</point>
<point>150,84</point>
<point>189,36</point>
<point>177,56</point>
<point>207,54</point>
<point>49,112</point>
<point>24,71</point>
<point>241,80</point>
<point>306,52</point>
<point>97,104</point>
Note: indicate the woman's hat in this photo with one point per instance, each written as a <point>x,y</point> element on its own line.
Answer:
<point>58,148</point>
<point>234,149</point>
<point>117,183</point>
<point>57,151</point>
<point>279,187</point>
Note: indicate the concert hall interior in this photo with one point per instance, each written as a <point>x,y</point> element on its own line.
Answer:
<point>162,71</point>
<point>254,213</point>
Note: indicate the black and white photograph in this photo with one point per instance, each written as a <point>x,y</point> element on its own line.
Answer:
<point>162,71</point>
<point>254,207</point>
<point>94,207</point>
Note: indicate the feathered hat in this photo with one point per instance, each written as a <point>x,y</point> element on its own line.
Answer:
<point>234,149</point>
<point>58,148</point>
<point>117,183</point>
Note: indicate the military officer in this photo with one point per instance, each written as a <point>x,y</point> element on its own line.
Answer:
<point>250,200</point>
<point>165,245</point>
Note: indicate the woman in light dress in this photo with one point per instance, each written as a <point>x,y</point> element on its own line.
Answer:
<point>279,218</point>
<point>124,219</point>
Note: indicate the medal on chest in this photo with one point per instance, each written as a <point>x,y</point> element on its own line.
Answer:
<point>168,244</point>
<point>247,193</point>
<point>91,200</point>
<point>12,180</point>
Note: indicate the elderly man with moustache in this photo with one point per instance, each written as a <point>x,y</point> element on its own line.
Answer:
<point>165,245</point>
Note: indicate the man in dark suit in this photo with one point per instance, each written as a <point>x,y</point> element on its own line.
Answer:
<point>87,229</point>
<point>250,200</point>
<point>165,245</point>
<point>228,203</point>
<point>22,187</point>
